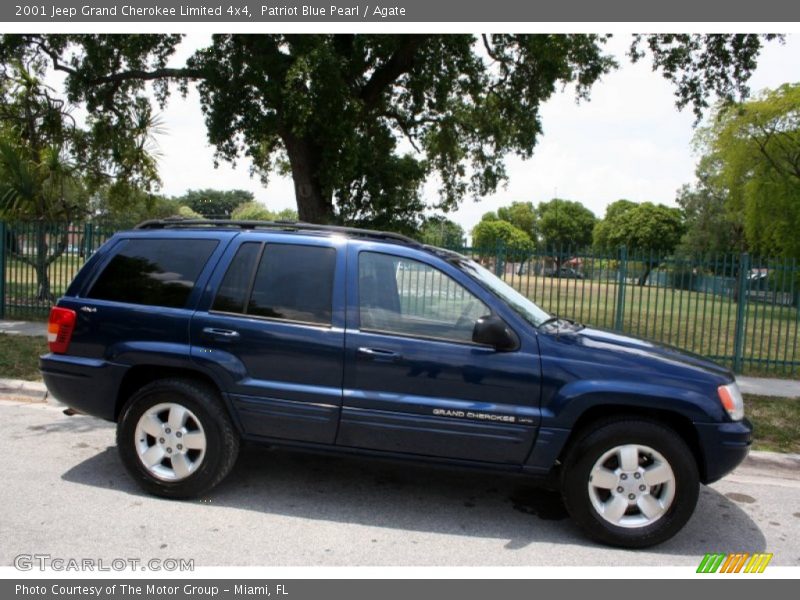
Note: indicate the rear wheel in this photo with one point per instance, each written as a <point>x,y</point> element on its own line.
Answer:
<point>630,482</point>
<point>176,438</point>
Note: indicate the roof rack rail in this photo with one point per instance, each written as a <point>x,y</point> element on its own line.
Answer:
<point>179,222</point>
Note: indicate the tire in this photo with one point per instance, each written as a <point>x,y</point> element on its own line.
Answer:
<point>606,482</point>
<point>197,445</point>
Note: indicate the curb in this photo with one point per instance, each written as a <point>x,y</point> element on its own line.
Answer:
<point>782,466</point>
<point>32,391</point>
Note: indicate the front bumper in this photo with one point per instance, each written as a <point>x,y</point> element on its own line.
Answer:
<point>724,446</point>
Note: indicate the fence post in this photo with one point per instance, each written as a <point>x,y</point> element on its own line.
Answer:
<point>499,264</point>
<point>741,312</point>
<point>3,269</point>
<point>621,276</point>
<point>88,241</point>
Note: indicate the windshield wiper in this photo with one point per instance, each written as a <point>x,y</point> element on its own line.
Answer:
<point>553,319</point>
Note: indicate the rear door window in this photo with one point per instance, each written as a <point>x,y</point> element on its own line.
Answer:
<point>235,288</point>
<point>292,282</point>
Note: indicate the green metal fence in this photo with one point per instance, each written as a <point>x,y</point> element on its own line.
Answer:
<point>737,309</point>
<point>38,261</point>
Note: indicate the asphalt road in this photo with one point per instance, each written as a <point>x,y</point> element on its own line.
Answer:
<point>64,492</point>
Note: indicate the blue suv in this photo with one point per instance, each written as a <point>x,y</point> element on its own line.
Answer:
<point>195,335</point>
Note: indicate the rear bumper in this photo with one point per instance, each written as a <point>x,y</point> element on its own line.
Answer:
<point>724,447</point>
<point>88,385</point>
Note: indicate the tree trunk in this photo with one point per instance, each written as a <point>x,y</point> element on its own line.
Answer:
<point>643,277</point>
<point>41,265</point>
<point>313,205</point>
<point>42,260</point>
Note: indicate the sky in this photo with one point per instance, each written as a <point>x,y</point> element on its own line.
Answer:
<point>627,141</point>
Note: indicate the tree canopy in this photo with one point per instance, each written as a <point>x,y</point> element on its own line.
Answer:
<point>521,215</point>
<point>712,227</point>
<point>438,230</point>
<point>491,236</point>
<point>564,224</point>
<point>255,211</point>
<point>602,233</point>
<point>755,151</point>
<point>211,203</point>
<point>645,227</point>
<point>361,121</point>
<point>649,230</point>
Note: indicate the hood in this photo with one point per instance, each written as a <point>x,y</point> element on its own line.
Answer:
<point>615,350</point>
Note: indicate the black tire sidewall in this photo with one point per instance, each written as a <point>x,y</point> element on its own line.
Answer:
<point>587,451</point>
<point>205,406</point>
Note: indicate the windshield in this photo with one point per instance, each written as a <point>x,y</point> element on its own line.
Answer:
<point>527,309</point>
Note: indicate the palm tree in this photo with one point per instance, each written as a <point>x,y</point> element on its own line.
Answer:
<point>49,165</point>
<point>38,181</point>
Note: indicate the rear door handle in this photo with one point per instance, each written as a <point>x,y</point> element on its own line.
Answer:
<point>221,334</point>
<point>379,354</point>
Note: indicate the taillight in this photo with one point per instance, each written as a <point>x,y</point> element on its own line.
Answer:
<point>60,328</point>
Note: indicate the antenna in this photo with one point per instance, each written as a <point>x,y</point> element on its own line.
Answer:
<point>558,261</point>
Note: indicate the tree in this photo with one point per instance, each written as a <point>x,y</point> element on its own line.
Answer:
<point>49,166</point>
<point>564,224</point>
<point>215,204</point>
<point>521,215</point>
<point>137,206</point>
<point>756,146</point>
<point>187,213</point>
<point>711,226</point>
<point>438,230</point>
<point>332,109</point>
<point>601,235</point>
<point>254,211</point>
<point>651,229</point>
<point>489,237</point>
<point>702,66</point>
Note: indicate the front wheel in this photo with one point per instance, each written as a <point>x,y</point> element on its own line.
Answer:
<point>631,483</point>
<point>175,438</point>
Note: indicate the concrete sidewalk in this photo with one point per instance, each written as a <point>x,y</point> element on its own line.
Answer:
<point>763,386</point>
<point>30,328</point>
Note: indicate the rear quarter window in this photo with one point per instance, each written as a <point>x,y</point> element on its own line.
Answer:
<point>155,272</point>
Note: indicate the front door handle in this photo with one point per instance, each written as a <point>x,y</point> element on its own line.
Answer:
<point>379,354</point>
<point>221,334</point>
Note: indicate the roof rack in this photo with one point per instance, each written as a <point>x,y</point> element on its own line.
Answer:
<point>180,222</point>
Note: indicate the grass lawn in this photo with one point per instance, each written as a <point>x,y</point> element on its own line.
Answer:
<point>699,322</point>
<point>776,423</point>
<point>19,356</point>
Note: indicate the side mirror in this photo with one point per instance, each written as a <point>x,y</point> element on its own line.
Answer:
<point>491,330</point>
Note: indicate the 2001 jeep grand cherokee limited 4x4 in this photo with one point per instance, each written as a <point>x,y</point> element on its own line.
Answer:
<point>195,335</point>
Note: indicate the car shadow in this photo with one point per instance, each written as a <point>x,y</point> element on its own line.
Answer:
<point>75,424</point>
<point>412,497</point>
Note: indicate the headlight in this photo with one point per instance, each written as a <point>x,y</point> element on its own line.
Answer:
<point>732,401</point>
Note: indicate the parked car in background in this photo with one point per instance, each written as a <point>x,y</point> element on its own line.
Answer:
<point>564,273</point>
<point>196,335</point>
